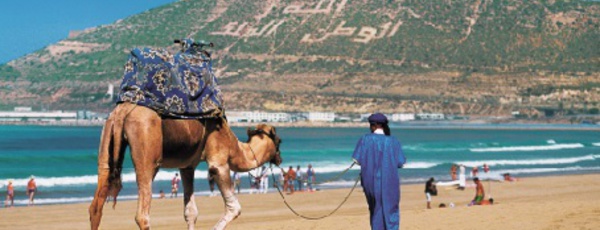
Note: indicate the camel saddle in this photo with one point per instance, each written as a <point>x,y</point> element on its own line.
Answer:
<point>176,86</point>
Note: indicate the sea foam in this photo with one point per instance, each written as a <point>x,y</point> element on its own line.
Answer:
<point>550,161</point>
<point>528,148</point>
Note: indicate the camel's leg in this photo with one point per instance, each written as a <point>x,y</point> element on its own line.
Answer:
<point>190,211</point>
<point>232,206</point>
<point>145,140</point>
<point>97,205</point>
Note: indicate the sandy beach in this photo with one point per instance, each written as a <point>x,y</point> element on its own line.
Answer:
<point>557,202</point>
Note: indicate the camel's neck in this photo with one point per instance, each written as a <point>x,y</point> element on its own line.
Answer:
<point>252,155</point>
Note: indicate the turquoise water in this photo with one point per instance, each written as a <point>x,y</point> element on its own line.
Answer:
<point>63,159</point>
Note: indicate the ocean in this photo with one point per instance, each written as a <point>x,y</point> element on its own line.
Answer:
<point>64,159</point>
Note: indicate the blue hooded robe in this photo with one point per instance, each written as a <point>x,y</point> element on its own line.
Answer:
<point>379,157</point>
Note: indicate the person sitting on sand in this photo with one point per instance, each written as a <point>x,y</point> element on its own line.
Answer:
<point>488,202</point>
<point>161,194</point>
<point>10,195</point>
<point>479,193</point>
<point>31,189</point>
<point>509,178</point>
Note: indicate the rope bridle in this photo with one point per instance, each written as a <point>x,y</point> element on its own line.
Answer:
<point>277,141</point>
<point>323,216</point>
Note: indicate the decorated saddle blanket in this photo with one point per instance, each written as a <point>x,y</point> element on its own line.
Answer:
<point>177,86</point>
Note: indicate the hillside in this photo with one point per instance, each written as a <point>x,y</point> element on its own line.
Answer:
<point>475,57</point>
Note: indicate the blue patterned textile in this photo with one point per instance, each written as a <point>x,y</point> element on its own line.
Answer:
<point>178,86</point>
<point>379,157</point>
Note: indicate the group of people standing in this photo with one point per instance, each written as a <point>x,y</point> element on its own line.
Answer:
<point>294,180</point>
<point>462,179</point>
<point>10,192</point>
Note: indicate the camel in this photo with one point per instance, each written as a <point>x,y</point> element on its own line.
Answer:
<point>176,143</point>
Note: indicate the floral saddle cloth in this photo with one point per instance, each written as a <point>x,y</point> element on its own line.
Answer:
<point>176,86</point>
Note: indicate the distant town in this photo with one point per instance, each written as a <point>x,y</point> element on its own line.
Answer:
<point>28,116</point>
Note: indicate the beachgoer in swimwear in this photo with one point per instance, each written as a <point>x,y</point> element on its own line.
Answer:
<point>10,195</point>
<point>31,189</point>
<point>479,193</point>
<point>453,172</point>
<point>474,171</point>
<point>175,185</point>
<point>290,177</point>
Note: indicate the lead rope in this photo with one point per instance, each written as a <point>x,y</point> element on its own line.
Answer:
<point>319,217</point>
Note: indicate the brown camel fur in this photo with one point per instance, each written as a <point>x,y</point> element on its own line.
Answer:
<point>176,143</point>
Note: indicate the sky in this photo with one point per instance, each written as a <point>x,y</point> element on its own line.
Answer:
<point>30,25</point>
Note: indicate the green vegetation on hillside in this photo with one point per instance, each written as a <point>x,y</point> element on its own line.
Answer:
<point>469,36</point>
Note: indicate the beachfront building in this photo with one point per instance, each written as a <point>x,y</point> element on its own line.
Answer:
<point>257,116</point>
<point>26,114</point>
<point>320,116</point>
<point>430,116</point>
<point>398,117</point>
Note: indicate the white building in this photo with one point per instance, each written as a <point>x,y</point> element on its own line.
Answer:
<point>403,117</point>
<point>320,116</point>
<point>37,116</point>
<point>430,116</point>
<point>257,116</point>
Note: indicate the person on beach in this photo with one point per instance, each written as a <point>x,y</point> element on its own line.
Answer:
<point>310,177</point>
<point>380,155</point>
<point>211,184</point>
<point>430,190</point>
<point>10,195</point>
<point>488,202</point>
<point>282,180</point>
<point>453,172</point>
<point>264,180</point>
<point>237,180</point>
<point>462,179</point>
<point>299,179</point>
<point>474,171</point>
<point>290,176</point>
<point>479,193</point>
<point>486,168</point>
<point>509,178</point>
<point>175,185</point>
<point>161,194</point>
<point>31,189</point>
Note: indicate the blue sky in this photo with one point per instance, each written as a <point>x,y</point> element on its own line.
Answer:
<point>29,25</point>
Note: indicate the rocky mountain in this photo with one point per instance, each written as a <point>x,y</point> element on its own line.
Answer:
<point>469,57</point>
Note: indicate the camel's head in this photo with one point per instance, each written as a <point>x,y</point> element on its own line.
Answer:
<point>269,131</point>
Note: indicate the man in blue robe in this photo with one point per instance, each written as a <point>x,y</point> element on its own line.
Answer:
<point>380,155</point>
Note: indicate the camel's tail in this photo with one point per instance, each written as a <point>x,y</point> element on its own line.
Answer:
<point>115,159</point>
<point>110,163</point>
